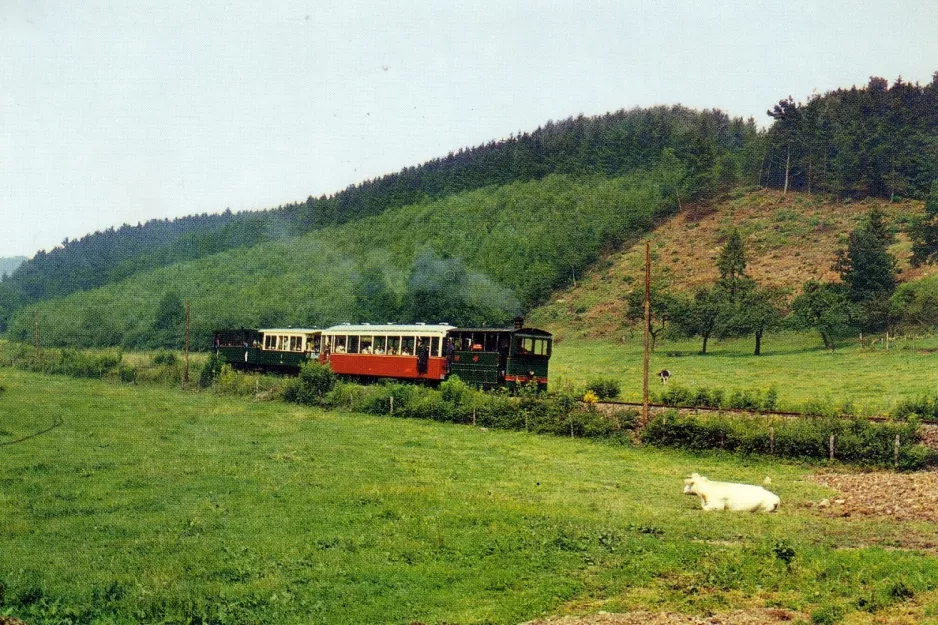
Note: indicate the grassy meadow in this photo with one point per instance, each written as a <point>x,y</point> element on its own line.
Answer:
<point>156,505</point>
<point>867,378</point>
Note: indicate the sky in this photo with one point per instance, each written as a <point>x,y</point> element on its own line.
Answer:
<point>118,112</point>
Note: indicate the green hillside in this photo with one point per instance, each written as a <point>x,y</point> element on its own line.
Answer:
<point>710,148</point>
<point>477,257</point>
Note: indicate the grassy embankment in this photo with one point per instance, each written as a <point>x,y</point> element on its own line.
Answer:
<point>152,505</point>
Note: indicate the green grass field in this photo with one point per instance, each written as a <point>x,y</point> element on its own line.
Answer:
<point>870,378</point>
<point>153,505</point>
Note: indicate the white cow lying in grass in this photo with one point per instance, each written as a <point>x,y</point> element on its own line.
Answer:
<point>730,496</point>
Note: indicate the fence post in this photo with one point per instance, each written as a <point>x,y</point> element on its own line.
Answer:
<point>772,440</point>
<point>831,447</point>
<point>473,416</point>
<point>392,404</point>
<point>895,453</point>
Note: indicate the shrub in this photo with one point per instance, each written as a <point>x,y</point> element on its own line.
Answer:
<point>604,388</point>
<point>311,385</point>
<point>210,370</point>
<point>164,357</point>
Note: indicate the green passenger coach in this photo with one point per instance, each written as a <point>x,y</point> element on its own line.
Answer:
<point>274,349</point>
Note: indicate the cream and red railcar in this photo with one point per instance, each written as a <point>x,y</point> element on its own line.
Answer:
<point>410,352</point>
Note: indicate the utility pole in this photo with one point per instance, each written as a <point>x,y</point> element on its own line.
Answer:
<point>647,330</point>
<point>185,378</point>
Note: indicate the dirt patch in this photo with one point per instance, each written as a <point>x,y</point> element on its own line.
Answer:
<point>761,616</point>
<point>901,496</point>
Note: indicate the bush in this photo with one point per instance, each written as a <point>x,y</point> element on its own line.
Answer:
<point>604,388</point>
<point>210,370</point>
<point>164,357</point>
<point>311,385</point>
<point>703,397</point>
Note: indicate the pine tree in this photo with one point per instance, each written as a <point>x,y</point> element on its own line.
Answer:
<point>732,265</point>
<point>924,230</point>
<point>869,271</point>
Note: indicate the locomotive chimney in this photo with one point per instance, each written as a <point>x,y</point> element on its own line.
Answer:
<point>519,322</point>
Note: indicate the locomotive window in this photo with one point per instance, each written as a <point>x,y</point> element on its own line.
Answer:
<point>435,346</point>
<point>532,346</point>
<point>379,345</point>
<point>353,344</point>
<point>407,346</point>
<point>394,345</point>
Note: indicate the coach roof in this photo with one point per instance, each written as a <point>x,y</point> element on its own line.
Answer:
<point>392,329</point>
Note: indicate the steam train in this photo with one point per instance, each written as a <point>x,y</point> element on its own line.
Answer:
<point>484,357</point>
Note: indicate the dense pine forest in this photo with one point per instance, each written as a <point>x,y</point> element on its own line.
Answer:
<point>478,235</point>
<point>880,141</point>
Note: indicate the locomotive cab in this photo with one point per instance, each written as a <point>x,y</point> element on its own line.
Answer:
<point>488,357</point>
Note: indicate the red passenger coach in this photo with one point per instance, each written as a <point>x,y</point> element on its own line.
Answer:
<point>386,351</point>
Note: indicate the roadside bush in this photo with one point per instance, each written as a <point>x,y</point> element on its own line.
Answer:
<point>604,388</point>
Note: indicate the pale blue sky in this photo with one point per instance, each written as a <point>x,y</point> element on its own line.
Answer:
<point>117,112</point>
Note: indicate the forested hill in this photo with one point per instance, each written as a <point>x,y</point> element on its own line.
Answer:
<point>879,141</point>
<point>9,264</point>
<point>709,148</point>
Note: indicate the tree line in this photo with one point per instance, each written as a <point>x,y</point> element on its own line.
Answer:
<point>880,140</point>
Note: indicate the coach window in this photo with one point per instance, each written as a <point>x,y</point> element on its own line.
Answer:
<point>339,344</point>
<point>380,344</point>
<point>394,345</point>
<point>312,343</point>
<point>366,344</point>
<point>435,346</point>
<point>270,341</point>
<point>353,344</point>
<point>407,346</point>
<point>296,343</point>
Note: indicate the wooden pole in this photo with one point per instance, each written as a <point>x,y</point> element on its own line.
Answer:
<point>647,331</point>
<point>185,378</point>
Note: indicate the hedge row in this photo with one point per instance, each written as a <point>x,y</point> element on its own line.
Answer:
<point>456,402</point>
<point>703,397</point>
<point>855,441</point>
